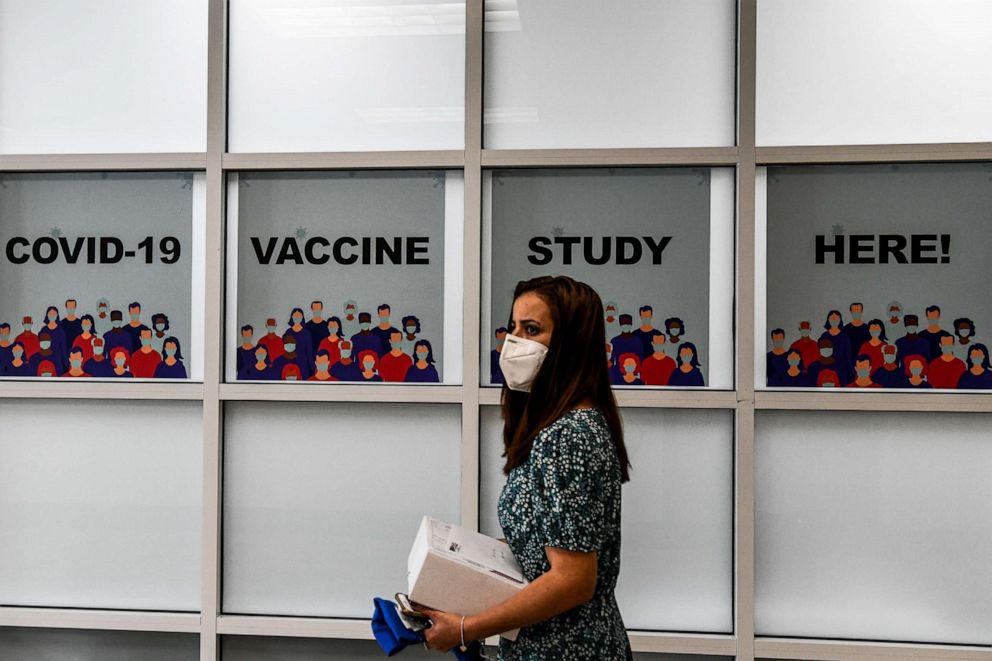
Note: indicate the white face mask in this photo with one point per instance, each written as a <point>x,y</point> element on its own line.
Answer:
<point>520,361</point>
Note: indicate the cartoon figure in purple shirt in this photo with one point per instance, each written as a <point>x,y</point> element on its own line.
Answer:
<point>422,370</point>
<point>171,366</point>
<point>626,341</point>
<point>365,339</point>
<point>346,369</point>
<point>495,372</point>
<point>260,368</point>
<point>688,372</point>
<point>99,365</point>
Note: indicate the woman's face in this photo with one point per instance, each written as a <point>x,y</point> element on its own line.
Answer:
<point>531,319</point>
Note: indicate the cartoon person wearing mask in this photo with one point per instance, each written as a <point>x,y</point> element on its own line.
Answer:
<point>612,322</point>
<point>119,356</point>
<point>394,364</point>
<point>656,369</point>
<point>495,373</point>
<point>347,368</point>
<point>171,366</point>
<point>626,341</point>
<point>688,372</point>
<point>20,363</point>
<point>332,342</point>
<point>945,371</point>
<point>369,364</point>
<point>964,335</point>
<point>349,323</point>
<point>272,340</point>
<point>260,369</point>
<point>99,365</point>
<point>916,372</point>
<point>27,338</point>
<point>978,376</point>
<point>890,374</point>
<point>423,369</point>
<point>912,343</point>
<point>322,367</point>
<point>365,339</point>
<point>411,333</point>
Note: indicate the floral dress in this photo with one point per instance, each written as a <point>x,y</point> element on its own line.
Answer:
<point>567,495</point>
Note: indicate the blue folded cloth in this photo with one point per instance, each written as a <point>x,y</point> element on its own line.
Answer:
<point>393,635</point>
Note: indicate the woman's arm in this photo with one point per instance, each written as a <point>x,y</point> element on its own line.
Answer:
<point>570,582</point>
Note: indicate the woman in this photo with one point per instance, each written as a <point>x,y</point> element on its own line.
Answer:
<point>120,357</point>
<point>303,343</point>
<point>331,343</point>
<point>47,351</point>
<point>688,372</point>
<point>877,341</point>
<point>979,374</point>
<point>411,331</point>
<point>57,340</point>
<point>171,366</point>
<point>20,364</point>
<point>422,370</point>
<point>560,506</point>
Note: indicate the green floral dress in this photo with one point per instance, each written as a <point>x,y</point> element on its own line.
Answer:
<point>567,495</point>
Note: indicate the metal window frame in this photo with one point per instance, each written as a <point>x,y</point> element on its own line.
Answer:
<point>211,623</point>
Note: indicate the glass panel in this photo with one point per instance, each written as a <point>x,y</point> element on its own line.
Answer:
<point>300,75</point>
<point>656,243</point>
<point>100,504</point>
<point>678,516</point>
<point>662,73</point>
<point>318,523</point>
<point>375,248</point>
<point>112,76</point>
<point>895,250</point>
<point>92,248</point>
<point>873,71</point>
<point>874,526</point>
<point>17,643</point>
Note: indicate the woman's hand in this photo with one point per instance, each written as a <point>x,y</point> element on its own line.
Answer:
<point>445,633</point>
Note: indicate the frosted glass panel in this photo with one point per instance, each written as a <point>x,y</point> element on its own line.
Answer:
<point>677,560</point>
<point>584,73</point>
<point>21,643</point>
<point>873,526</point>
<point>322,501</point>
<point>108,76</point>
<point>100,504</point>
<point>873,71</point>
<point>343,75</point>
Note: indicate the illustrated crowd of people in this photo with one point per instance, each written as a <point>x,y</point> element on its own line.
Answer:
<point>100,345</point>
<point>331,348</point>
<point>862,354</point>
<point>641,356</point>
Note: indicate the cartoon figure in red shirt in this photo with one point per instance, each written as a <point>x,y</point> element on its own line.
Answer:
<point>876,343</point>
<point>145,359</point>
<point>28,339</point>
<point>658,367</point>
<point>368,361</point>
<point>805,345</point>
<point>394,364</point>
<point>945,371</point>
<point>827,379</point>
<point>272,341</point>
<point>916,371</point>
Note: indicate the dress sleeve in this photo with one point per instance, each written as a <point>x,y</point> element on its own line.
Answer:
<point>568,480</point>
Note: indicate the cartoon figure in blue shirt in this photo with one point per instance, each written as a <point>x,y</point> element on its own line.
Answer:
<point>423,370</point>
<point>912,343</point>
<point>776,360</point>
<point>978,376</point>
<point>384,330</point>
<point>20,363</point>
<point>59,348</point>
<point>134,325</point>
<point>117,336</point>
<point>260,368</point>
<point>840,343</point>
<point>317,326</point>
<point>292,354</point>
<point>890,374</point>
<point>626,341</point>
<point>47,351</point>
<point>346,369</point>
<point>246,350</point>
<point>6,347</point>
<point>646,332</point>
<point>794,375</point>
<point>856,330</point>
<point>171,366</point>
<point>933,332</point>
<point>304,347</point>
<point>365,339</point>
<point>99,365</point>
<point>70,323</point>
<point>495,372</point>
<point>688,372</point>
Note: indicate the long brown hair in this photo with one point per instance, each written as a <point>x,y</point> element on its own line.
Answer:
<point>573,370</point>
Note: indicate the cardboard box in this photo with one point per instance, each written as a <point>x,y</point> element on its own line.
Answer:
<point>454,569</point>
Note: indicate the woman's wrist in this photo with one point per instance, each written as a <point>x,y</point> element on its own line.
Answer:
<point>472,629</point>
